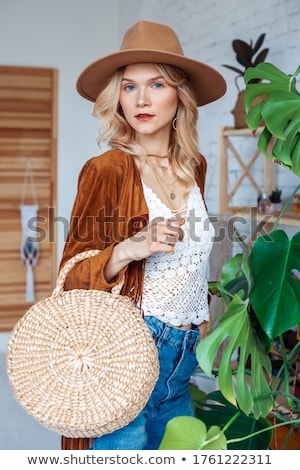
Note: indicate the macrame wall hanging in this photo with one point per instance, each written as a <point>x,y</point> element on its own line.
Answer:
<point>29,245</point>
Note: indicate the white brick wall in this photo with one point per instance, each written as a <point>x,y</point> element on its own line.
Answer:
<point>206,29</point>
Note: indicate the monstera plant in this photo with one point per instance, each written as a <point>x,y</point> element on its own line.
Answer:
<point>260,288</point>
<point>280,110</point>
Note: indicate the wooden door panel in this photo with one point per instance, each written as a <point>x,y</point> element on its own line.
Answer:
<point>28,121</point>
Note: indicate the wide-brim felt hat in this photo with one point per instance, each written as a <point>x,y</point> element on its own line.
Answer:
<point>148,42</point>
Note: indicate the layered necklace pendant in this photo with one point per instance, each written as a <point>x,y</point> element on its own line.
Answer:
<point>164,168</point>
<point>171,189</point>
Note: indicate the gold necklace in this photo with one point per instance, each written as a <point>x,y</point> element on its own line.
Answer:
<point>161,183</point>
<point>158,156</point>
<point>172,194</point>
<point>162,166</point>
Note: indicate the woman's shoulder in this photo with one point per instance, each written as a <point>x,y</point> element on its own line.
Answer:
<point>111,158</point>
<point>112,162</point>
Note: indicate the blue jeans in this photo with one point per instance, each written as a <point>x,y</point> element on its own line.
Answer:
<point>170,397</point>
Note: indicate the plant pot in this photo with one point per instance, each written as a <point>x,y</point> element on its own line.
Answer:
<point>239,112</point>
<point>281,434</point>
<point>276,207</point>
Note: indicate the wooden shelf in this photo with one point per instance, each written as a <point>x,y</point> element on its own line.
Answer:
<point>290,218</point>
<point>227,147</point>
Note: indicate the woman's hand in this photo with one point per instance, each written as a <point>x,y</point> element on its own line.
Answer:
<point>160,235</point>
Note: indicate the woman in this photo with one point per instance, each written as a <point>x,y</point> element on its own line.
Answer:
<point>141,203</point>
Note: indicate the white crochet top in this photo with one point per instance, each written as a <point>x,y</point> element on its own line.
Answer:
<point>175,286</point>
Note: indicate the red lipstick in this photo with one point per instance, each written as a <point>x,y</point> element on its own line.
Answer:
<point>144,117</point>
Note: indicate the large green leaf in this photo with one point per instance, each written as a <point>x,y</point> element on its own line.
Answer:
<point>235,331</point>
<point>287,108</point>
<point>235,278</point>
<point>213,425</point>
<point>189,433</point>
<point>283,149</point>
<point>216,410</point>
<point>295,168</point>
<point>275,296</point>
<point>276,81</point>
<point>279,107</point>
<point>215,439</point>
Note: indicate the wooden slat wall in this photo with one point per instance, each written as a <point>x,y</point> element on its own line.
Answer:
<point>28,110</point>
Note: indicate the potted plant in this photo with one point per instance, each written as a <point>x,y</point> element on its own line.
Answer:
<point>261,290</point>
<point>253,285</point>
<point>247,55</point>
<point>275,199</point>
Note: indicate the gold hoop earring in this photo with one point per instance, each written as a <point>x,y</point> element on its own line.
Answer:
<point>174,123</point>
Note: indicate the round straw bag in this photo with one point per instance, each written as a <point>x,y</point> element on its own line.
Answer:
<point>82,362</point>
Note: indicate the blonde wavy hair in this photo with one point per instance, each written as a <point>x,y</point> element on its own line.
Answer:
<point>115,130</point>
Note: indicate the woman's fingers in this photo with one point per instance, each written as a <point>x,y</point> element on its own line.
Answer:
<point>174,225</point>
<point>160,235</point>
<point>168,231</point>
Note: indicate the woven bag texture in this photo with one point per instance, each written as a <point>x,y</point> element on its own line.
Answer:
<point>82,362</point>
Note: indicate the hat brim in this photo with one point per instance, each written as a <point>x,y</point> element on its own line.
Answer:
<point>206,82</point>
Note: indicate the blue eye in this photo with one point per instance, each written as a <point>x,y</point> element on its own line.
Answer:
<point>157,85</point>
<point>129,87</point>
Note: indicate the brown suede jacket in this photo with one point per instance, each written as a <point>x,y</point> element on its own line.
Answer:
<point>109,207</point>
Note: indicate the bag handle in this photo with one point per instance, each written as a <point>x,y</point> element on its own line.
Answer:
<point>69,265</point>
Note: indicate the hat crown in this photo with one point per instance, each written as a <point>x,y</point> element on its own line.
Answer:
<point>148,42</point>
<point>151,36</point>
